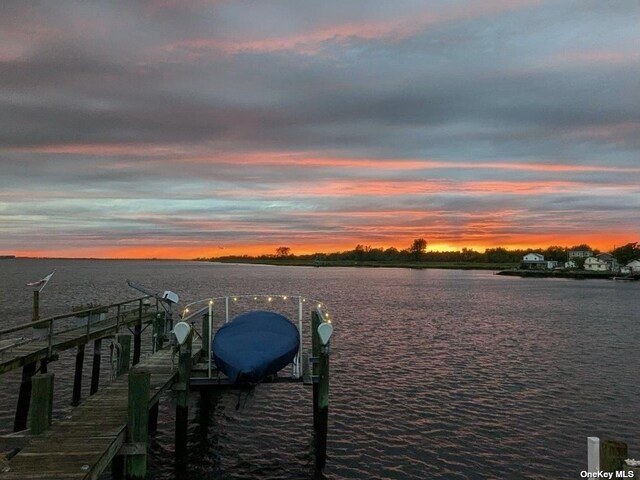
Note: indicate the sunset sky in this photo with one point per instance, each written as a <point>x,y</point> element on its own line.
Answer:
<point>183,128</point>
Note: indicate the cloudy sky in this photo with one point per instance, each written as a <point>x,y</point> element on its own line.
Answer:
<point>180,128</point>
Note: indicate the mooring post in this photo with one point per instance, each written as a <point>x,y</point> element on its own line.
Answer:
<point>41,403</point>
<point>138,423</point>
<point>153,417</point>
<point>77,377</point>
<point>321,400</point>
<point>205,335</point>
<point>24,397</point>
<point>158,332</point>
<point>95,367</point>
<point>124,341</point>
<point>137,335</point>
<point>315,353</point>
<point>612,455</point>
<point>182,401</point>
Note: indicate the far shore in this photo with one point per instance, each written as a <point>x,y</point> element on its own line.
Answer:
<point>368,264</point>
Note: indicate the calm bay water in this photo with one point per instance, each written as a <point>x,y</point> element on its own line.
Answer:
<point>434,373</point>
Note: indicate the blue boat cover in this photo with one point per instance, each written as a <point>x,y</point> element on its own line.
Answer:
<point>254,345</point>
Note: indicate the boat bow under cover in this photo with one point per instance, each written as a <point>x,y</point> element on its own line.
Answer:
<point>255,345</point>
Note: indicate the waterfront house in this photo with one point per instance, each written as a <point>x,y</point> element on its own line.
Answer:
<point>612,263</point>
<point>601,263</point>
<point>580,253</point>
<point>595,265</point>
<point>634,266</point>
<point>532,261</point>
<point>570,265</point>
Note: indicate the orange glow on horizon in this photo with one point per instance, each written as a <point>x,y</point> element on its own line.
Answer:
<point>603,242</point>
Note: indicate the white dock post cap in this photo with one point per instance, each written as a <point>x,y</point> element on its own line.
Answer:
<point>325,330</point>
<point>170,297</point>
<point>593,454</point>
<point>181,331</point>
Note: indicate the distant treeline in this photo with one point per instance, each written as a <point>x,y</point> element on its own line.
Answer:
<point>417,253</point>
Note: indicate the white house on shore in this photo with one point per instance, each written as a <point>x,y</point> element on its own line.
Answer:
<point>605,262</point>
<point>634,266</point>
<point>595,265</point>
<point>536,261</point>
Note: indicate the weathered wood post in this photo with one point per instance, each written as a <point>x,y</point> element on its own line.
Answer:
<point>138,423</point>
<point>41,403</point>
<point>153,417</point>
<point>124,341</point>
<point>95,367</point>
<point>36,306</point>
<point>315,354</point>
<point>158,332</point>
<point>77,377</point>
<point>612,456</point>
<point>137,336</point>
<point>205,335</point>
<point>24,398</point>
<point>182,401</point>
<point>321,398</point>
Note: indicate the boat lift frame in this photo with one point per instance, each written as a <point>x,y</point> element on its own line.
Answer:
<point>189,313</point>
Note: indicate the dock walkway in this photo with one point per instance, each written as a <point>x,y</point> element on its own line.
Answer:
<point>82,445</point>
<point>28,351</point>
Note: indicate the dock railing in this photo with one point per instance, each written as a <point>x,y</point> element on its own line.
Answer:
<point>121,313</point>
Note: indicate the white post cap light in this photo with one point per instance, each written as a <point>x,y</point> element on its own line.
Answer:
<point>325,330</point>
<point>181,331</point>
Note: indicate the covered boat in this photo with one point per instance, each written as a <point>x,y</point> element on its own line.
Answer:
<point>255,345</point>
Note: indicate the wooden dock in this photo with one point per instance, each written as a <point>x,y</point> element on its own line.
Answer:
<point>84,444</point>
<point>112,425</point>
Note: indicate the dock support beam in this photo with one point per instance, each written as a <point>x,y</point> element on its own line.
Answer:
<point>138,423</point>
<point>124,355</point>
<point>320,393</point>
<point>95,367</point>
<point>77,378</point>
<point>182,402</point>
<point>24,398</point>
<point>41,403</point>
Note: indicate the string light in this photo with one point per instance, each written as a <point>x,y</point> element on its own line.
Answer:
<point>210,302</point>
<point>269,299</point>
<point>284,297</point>
<point>235,299</point>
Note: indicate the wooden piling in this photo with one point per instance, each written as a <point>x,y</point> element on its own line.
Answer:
<point>158,332</point>
<point>153,417</point>
<point>124,341</point>
<point>205,335</point>
<point>41,403</point>
<point>315,353</point>
<point>138,423</point>
<point>320,394</point>
<point>77,377</point>
<point>137,336</point>
<point>24,398</point>
<point>612,456</point>
<point>95,367</point>
<point>36,306</point>
<point>182,402</point>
